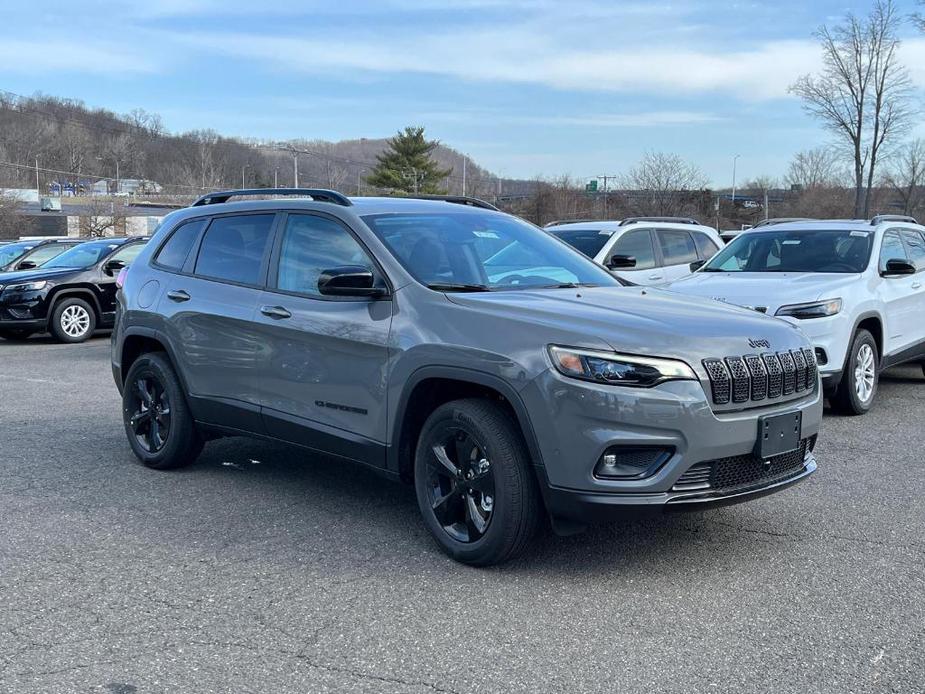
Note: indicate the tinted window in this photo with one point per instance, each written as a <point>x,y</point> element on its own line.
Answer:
<point>803,250</point>
<point>891,249</point>
<point>639,245</point>
<point>916,245</point>
<point>128,254</point>
<point>173,253</point>
<point>705,245</point>
<point>45,253</point>
<point>443,248</point>
<point>588,241</point>
<point>677,246</point>
<point>233,247</point>
<point>12,251</point>
<point>310,246</point>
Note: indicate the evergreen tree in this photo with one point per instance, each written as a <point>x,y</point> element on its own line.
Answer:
<point>407,165</point>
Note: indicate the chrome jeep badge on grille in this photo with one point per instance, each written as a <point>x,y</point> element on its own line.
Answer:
<point>759,344</point>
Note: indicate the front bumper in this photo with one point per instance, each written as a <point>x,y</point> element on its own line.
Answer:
<point>575,422</point>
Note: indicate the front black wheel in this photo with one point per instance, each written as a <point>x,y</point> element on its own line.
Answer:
<point>855,394</point>
<point>473,482</point>
<point>73,320</point>
<point>158,423</point>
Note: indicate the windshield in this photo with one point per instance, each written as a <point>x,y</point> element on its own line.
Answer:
<point>479,252</point>
<point>83,255</point>
<point>837,251</point>
<point>11,252</point>
<point>587,241</point>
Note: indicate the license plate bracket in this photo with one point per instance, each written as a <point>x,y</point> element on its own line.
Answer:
<point>778,434</point>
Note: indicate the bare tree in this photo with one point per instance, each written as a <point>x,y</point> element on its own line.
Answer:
<point>10,217</point>
<point>907,175</point>
<point>815,168</point>
<point>863,94</point>
<point>663,184</point>
<point>102,218</point>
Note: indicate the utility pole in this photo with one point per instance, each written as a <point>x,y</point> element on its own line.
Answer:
<point>465,159</point>
<point>359,174</point>
<point>414,176</point>
<point>243,168</point>
<point>766,203</point>
<point>295,169</point>
<point>734,159</point>
<point>38,188</point>
<point>605,178</point>
<point>276,177</point>
<point>117,177</point>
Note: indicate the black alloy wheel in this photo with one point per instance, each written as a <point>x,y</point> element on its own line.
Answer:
<point>149,404</point>
<point>461,486</point>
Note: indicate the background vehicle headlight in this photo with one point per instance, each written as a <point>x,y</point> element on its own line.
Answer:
<point>618,369</point>
<point>815,309</point>
<point>26,286</point>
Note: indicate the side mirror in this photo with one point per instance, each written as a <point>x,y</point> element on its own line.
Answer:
<point>26,265</point>
<point>349,280</point>
<point>111,267</point>
<point>895,266</point>
<point>697,264</point>
<point>621,262</point>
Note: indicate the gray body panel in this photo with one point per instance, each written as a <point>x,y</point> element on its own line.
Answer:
<point>337,374</point>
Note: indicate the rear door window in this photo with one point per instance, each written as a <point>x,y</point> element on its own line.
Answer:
<point>705,245</point>
<point>233,248</point>
<point>637,244</point>
<point>677,246</point>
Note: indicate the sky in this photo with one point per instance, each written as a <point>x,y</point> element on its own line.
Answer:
<point>525,87</point>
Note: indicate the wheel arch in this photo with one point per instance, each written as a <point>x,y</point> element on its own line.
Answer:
<point>872,323</point>
<point>431,386</point>
<point>59,295</point>
<point>139,340</point>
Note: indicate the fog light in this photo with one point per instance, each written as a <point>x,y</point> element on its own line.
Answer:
<point>631,462</point>
<point>821,357</point>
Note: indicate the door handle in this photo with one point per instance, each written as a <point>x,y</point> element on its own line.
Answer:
<point>656,277</point>
<point>916,285</point>
<point>178,295</point>
<point>275,312</point>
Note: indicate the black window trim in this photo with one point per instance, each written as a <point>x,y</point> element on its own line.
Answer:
<point>273,264</point>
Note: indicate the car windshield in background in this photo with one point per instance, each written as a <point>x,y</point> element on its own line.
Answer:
<point>84,255</point>
<point>482,252</point>
<point>843,250</point>
<point>587,241</point>
<point>11,252</point>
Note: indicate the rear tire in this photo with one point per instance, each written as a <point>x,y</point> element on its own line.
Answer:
<point>157,419</point>
<point>474,486</point>
<point>858,387</point>
<point>73,320</point>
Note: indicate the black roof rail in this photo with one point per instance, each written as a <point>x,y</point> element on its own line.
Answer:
<point>581,220</point>
<point>457,199</point>
<point>877,219</point>
<point>316,194</point>
<point>779,220</point>
<point>675,220</point>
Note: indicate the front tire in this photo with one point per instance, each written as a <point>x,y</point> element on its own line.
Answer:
<point>858,388</point>
<point>73,320</point>
<point>158,422</point>
<point>474,485</point>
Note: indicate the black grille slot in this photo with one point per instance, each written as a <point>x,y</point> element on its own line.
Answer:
<point>790,372</point>
<point>742,472</point>
<point>719,380</point>
<point>759,376</point>
<point>800,362</point>
<point>775,375</point>
<point>811,373</point>
<point>741,383</point>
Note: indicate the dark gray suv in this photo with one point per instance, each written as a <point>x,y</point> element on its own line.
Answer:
<point>462,350</point>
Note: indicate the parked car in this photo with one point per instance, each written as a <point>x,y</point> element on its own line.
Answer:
<point>642,250</point>
<point>854,287</point>
<point>70,295</point>
<point>27,255</point>
<point>377,330</point>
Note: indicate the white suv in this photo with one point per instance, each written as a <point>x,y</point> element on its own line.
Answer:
<point>643,250</point>
<point>854,287</point>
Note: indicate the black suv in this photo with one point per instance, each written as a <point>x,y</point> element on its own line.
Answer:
<point>70,295</point>
<point>28,255</point>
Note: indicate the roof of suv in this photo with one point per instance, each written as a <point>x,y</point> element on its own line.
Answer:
<point>829,224</point>
<point>616,224</point>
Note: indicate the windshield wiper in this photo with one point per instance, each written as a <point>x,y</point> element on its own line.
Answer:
<point>450,287</point>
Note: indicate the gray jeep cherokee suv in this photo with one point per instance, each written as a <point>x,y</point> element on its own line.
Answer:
<point>460,349</point>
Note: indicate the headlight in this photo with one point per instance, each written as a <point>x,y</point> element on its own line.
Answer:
<point>26,287</point>
<point>618,369</point>
<point>815,309</point>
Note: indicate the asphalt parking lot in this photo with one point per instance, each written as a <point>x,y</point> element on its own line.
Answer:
<point>263,568</point>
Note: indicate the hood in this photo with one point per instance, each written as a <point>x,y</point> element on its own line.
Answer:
<point>769,290</point>
<point>637,320</point>
<point>37,274</point>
